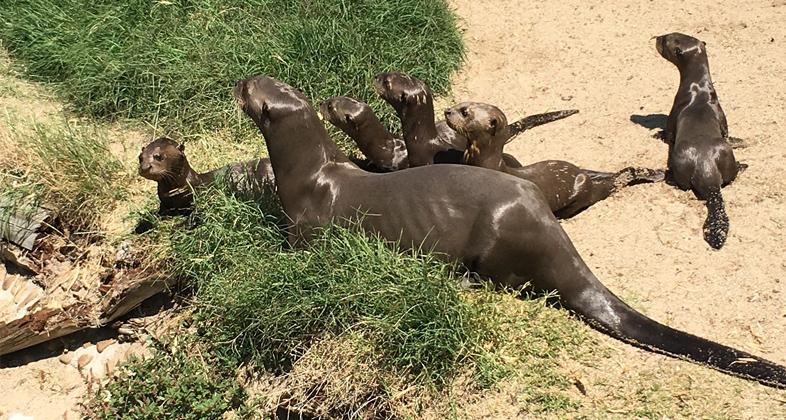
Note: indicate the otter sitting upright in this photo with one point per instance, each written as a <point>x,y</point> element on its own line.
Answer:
<point>164,161</point>
<point>700,158</point>
<point>356,119</point>
<point>568,189</point>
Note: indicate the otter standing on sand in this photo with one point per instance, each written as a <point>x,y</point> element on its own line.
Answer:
<point>494,224</point>
<point>429,142</point>
<point>568,189</point>
<point>700,158</point>
<point>164,161</point>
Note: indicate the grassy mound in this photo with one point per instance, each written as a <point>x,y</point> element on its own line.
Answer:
<point>173,63</point>
<point>348,326</point>
<point>258,301</point>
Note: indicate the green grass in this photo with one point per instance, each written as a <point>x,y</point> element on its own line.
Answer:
<point>173,63</point>
<point>172,385</point>
<point>402,316</point>
<point>65,166</point>
<point>261,302</point>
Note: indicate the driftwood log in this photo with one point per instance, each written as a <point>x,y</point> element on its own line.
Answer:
<point>125,293</point>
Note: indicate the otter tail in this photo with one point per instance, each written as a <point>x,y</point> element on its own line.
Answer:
<point>607,313</point>
<point>532,121</point>
<point>716,226</point>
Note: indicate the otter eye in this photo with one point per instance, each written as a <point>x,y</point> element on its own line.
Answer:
<point>387,84</point>
<point>158,157</point>
<point>464,112</point>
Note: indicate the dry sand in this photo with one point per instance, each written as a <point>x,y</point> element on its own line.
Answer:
<point>645,243</point>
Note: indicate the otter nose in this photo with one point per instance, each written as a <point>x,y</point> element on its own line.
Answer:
<point>448,112</point>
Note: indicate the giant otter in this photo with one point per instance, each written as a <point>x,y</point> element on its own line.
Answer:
<point>494,224</point>
<point>700,157</point>
<point>429,142</point>
<point>164,161</point>
<point>567,188</point>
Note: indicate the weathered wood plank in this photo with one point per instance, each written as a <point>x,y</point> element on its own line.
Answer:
<point>20,224</point>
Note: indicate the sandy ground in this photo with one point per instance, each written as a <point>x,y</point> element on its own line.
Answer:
<point>645,243</point>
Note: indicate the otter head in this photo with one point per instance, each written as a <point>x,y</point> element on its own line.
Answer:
<point>344,112</point>
<point>268,101</point>
<point>482,124</point>
<point>679,48</point>
<point>162,159</point>
<point>400,90</point>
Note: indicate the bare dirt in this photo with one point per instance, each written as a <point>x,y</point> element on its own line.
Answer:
<point>645,243</point>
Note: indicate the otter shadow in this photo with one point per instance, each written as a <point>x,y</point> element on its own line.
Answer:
<point>652,121</point>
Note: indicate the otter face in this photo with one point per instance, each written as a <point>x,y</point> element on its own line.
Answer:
<point>480,123</point>
<point>161,159</point>
<point>343,111</point>
<point>400,89</point>
<point>267,100</point>
<point>476,121</point>
<point>677,47</point>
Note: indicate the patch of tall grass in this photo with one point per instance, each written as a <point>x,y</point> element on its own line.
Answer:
<point>173,63</point>
<point>64,166</point>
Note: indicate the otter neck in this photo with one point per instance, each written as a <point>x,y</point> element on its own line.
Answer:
<point>376,142</point>
<point>299,149</point>
<point>488,156</point>
<point>417,123</point>
<point>184,176</point>
<point>695,70</point>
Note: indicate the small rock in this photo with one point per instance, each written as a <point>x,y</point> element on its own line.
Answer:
<point>124,255</point>
<point>102,345</point>
<point>66,358</point>
<point>83,361</point>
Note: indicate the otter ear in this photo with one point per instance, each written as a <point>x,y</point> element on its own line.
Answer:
<point>678,51</point>
<point>493,123</point>
<point>181,147</point>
